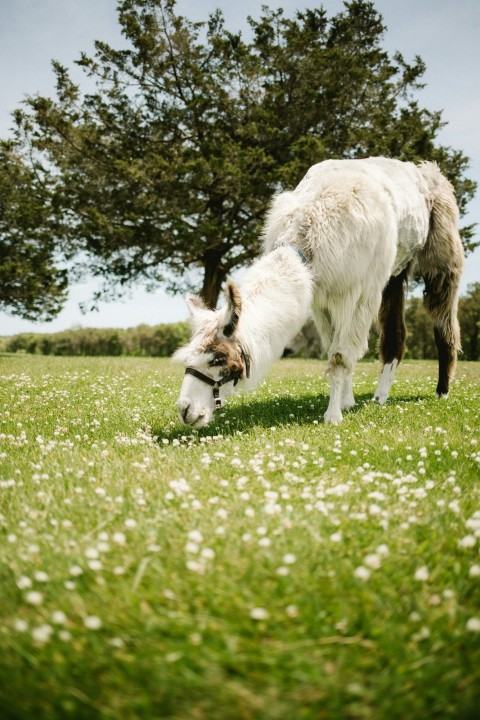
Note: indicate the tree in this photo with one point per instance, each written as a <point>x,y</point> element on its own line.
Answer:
<point>170,161</point>
<point>420,337</point>
<point>469,316</point>
<point>31,285</point>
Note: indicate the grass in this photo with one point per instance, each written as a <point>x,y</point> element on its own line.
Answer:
<point>268,566</point>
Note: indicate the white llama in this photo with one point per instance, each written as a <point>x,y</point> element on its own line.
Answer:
<point>339,246</point>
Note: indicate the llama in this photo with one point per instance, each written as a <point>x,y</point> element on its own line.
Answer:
<point>340,246</point>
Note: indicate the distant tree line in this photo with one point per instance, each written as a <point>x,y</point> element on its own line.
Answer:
<point>141,341</point>
<point>163,340</point>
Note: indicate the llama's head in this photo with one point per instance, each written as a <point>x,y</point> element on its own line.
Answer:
<point>214,359</point>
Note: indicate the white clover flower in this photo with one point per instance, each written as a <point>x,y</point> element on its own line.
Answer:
<point>195,536</point>
<point>95,565</point>
<point>41,634</point>
<point>119,538</point>
<point>92,622</point>
<point>336,537</point>
<point>422,574</point>
<point>362,573</point>
<point>118,570</point>
<point>192,547</point>
<point>474,571</point>
<point>75,571</point>
<point>373,560</point>
<point>289,559</point>
<point>259,613</point>
<point>40,576</point>
<point>195,566</point>
<point>34,598</point>
<point>468,541</point>
<point>207,553</point>
<point>282,571</point>
<point>20,625</point>
<point>264,542</point>
<point>92,553</point>
<point>59,617</point>
<point>473,625</point>
<point>383,550</point>
<point>292,611</point>
<point>24,582</point>
<point>130,523</point>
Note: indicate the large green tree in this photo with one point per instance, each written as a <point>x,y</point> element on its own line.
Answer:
<point>168,162</point>
<point>469,316</point>
<point>31,284</point>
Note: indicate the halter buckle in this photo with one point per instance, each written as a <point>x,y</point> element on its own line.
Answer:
<point>216,397</point>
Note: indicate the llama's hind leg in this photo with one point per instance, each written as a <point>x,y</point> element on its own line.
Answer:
<point>393,334</point>
<point>440,300</point>
<point>441,264</point>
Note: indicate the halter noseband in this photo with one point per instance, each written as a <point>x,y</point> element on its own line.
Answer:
<point>216,384</point>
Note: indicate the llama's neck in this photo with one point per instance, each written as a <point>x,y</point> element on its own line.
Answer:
<point>276,300</point>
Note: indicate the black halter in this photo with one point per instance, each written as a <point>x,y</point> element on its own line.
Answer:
<point>216,384</point>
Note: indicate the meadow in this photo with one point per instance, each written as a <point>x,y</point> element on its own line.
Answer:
<point>268,566</point>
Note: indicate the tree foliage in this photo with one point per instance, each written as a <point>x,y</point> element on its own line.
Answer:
<point>469,316</point>
<point>31,285</point>
<point>169,161</point>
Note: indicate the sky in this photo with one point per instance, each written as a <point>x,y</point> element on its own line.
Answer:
<point>445,33</point>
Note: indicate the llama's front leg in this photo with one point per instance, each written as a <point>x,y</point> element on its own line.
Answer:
<point>338,372</point>
<point>348,399</point>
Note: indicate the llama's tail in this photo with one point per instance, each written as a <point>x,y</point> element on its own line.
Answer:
<point>441,264</point>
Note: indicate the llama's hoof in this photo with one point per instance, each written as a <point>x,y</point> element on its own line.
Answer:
<point>348,404</point>
<point>333,418</point>
<point>441,396</point>
<point>380,398</point>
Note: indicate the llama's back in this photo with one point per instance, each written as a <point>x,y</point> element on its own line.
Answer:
<point>353,217</point>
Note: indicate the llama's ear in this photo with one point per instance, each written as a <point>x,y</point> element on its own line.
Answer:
<point>195,303</point>
<point>199,312</point>
<point>234,308</point>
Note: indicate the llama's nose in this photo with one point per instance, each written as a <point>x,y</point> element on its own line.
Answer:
<point>183,409</point>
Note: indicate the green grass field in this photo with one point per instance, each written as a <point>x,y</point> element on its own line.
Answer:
<point>268,566</point>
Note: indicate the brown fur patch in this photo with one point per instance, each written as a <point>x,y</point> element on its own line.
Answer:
<point>391,320</point>
<point>336,361</point>
<point>231,355</point>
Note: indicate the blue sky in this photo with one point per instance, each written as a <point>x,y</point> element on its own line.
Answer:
<point>444,32</point>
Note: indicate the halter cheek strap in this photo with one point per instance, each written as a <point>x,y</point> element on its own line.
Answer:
<point>216,384</point>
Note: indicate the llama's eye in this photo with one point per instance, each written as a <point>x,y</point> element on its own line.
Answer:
<point>217,361</point>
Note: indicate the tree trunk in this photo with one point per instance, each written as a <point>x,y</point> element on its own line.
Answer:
<point>214,275</point>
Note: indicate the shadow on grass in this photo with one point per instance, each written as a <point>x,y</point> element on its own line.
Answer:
<point>249,413</point>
